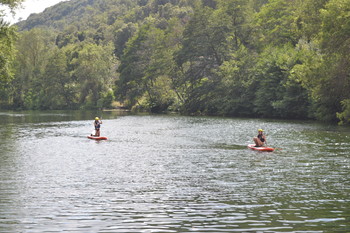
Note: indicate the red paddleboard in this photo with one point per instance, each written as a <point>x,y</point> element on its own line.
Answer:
<point>97,138</point>
<point>261,148</point>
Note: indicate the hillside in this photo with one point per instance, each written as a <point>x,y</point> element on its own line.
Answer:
<point>76,12</point>
<point>256,58</point>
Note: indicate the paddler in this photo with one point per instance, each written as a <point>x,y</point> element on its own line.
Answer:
<point>260,140</point>
<point>97,124</point>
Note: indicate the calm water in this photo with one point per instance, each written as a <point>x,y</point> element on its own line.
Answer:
<point>171,174</point>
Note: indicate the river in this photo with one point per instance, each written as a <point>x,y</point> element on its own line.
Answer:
<point>169,173</point>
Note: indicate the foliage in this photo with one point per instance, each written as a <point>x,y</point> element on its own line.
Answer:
<point>7,39</point>
<point>48,77</point>
<point>58,88</point>
<point>275,23</point>
<point>142,75</point>
<point>12,4</point>
<point>345,115</point>
<point>325,67</point>
<point>33,49</point>
<point>261,58</point>
<point>279,95</point>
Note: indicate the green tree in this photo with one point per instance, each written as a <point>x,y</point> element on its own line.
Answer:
<point>7,56</point>
<point>238,16</point>
<point>275,23</point>
<point>277,93</point>
<point>307,20</point>
<point>58,87</point>
<point>94,71</point>
<point>122,35</point>
<point>12,4</point>
<point>326,61</point>
<point>129,85</point>
<point>144,79</point>
<point>7,50</point>
<point>201,53</point>
<point>236,91</point>
<point>344,116</point>
<point>34,47</point>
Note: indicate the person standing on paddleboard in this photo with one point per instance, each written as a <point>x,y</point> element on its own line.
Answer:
<point>97,124</point>
<point>260,140</point>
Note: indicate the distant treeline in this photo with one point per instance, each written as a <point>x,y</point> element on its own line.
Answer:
<point>261,58</point>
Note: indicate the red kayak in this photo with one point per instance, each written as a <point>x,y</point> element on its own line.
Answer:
<point>261,148</point>
<point>97,138</point>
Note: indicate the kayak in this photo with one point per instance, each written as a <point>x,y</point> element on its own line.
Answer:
<point>97,138</point>
<point>260,148</point>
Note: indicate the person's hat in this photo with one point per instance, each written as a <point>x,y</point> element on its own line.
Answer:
<point>96,118</point>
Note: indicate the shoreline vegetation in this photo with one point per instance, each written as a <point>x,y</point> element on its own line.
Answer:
<point>275,59</point>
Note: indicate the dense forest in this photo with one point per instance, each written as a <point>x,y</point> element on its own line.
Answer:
<point>255,58</point>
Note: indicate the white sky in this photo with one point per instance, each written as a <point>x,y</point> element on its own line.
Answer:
<point>29,7</point>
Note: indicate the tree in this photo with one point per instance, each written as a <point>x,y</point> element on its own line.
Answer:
<point>277,93</point>
<point>7,51</point>
<point>201,53</point>
<point>12,4</point>
<point>325,64</point>
<point>344,116</point>
<point>129,85</point>
<point>122,35</point>
<point>7,56</point>
<point>275,23</point>
<point>307,20</point>
<point>238,16</point>
<point>94,71</point>
<point>144,79</point>
<point>236,91</point>
<point>270,58</point>
<point>58,86</point>
<point>34,47</point>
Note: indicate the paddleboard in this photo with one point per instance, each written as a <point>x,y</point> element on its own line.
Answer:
<point>260,148</point>
<point>97,138</point>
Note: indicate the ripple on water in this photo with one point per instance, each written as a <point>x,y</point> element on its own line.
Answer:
<point>172,174</point>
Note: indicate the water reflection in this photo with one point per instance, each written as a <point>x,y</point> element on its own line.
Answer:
<point>171,174</point>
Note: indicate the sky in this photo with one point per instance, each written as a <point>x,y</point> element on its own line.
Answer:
<point>29,7</point>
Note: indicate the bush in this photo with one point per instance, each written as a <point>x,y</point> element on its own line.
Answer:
<point>344,116</point>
